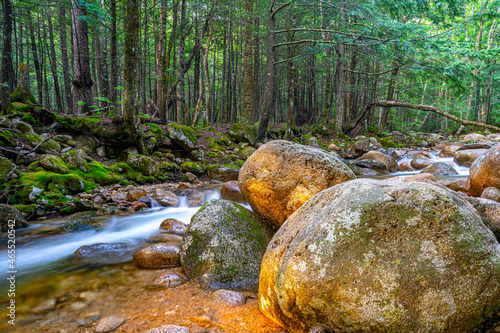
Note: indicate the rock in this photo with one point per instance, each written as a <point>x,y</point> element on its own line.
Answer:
<point>420,176</point>
<point>107,253</point>
<point>360,145</point>
<point>135,194</point>
<point>489,211</point>
<point>76,159</point>
<point>228,298</point>
<point>5,123</point>
<point>420,162</point>
<point>136,205</point>
<point>21,126</point>
<point>67,139</point>
<point>224,245</point>
<point>379,167</point>
<point>388,161</point>
<point>405,166</point>
<point>491,193</point>
<point>53,163</point>
<point>83,221</point>
<point>197,155</point>
<point>332,146</point>
<point>144,164</point>
<point>457,185</point>
<point>223,173</point>
<point>467,157</point>
<point>484,172</point>
<point>281,175</point>
<point>478,145</point>
<point>193,167</point>
<point>397,153</point>
<point>25,157</point>
<point>7,169</point>
<point>195,199</point>
<point>182,135</point>
<point>11,217</point>
<point>440,169</point>
<point>101,151</point>
<point>109,324</point>
<point>45,306</point>
<point>312,142</point>
<point>230,191</point>
<point>190,178</point>
<point>168,329</point>
<point>243,133</point>
<point>474,137</point>
<point>174,226</point>
<point>119,197</point>
<point>434,139</point>
<point>448,151</point>
<point>158,256</point>
<point>87,142</point>
<point>370,255</point>
<point>165,237</point>
<point>165,280</point>
<point>166,198</point>
<point>146,200</point>
<point>494,136</point>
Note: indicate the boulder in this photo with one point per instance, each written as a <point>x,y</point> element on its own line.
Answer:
<point>108,324</point>
<point>223,173</point>
<point>419,162</point>
<point>119,197</point>
<point>467,157</point>
<point>230,191</point>
<point>10,217</point>
<point>136,205</point>
<point>474,137</point>
<point>334,147</point>
<point>174,226</point>
<point>182,135</point>
<point>491,193</point>
<point>312,142</point>
<point>440,169</point>
<point>76,159</point>
<point>489,211</point>
<point>195,199</point>
<point>419,177</point>
<point>379,167</point>
<point>360,145</point>
<point>165,237</point>
<point>158,256</point>
<point>478,145</point>
<point>484,172</point>
<point>389,162</point>
<point>7,169</point>
<point>224,246</point>
<point>106,253</point>
<point>190,178</point>
<point>405,166</point>
<point>243,133</point>
<point>448,151</point>
<point>281,175</point>
<point>458,185</point>
<point>53,163</point>
<point>434,139</point>
<point>193,167</point>
<point>135,194</point>
<point>372,256</point>
<point>166,198</point>
<point>21,126</point>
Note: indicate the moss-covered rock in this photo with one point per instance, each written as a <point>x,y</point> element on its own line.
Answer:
<point>368,255</point>
<point>7,168</point>
<point>224,245</point>
<point>10,217</point>
<point>222,173</point>
<point>243,133</point>
<point>388,142</point>
<point>143,164</point>
<point>53,163</point>
<point>21,126</point>
<point>44,144</point>
<point>76,159</point>
<point>194,167</point>
<point>6,137</point>
<point>184,136</point>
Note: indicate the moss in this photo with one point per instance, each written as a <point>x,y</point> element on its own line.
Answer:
<point>6,138</point>
<point>68,210</point>
<point>26,209</point>
<point>99,173</point>
<point>212,144</point>
<point>192,167</point>
<point>187,130</point>
<point>27,118</point>
<point>35,166</point>
<point>388,142</point>
<point>239,163</point>
<point>54,163</point>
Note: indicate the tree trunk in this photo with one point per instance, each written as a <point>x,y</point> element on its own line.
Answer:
<point>82,81</point>
<point>161,62</point>
<point>53,63</point>
<point>256,72</point>
<point>390,97</point>
<point>64,59</point>
<point>340,94</point>
<point>36,60</point>
<point>181,103</point>
<point>7,75</point>
<point>113,53</point>
<point>246,112</point>
<point>131,118</point>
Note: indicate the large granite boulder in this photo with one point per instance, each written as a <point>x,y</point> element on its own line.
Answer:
<point>440,169</point>
<point>467,157</point>
<point>484,172</point>
<point>281,176</point>
<point>224,246</point>
<point>360,145</point>
<point>370,256</point>
<point>389,162</point>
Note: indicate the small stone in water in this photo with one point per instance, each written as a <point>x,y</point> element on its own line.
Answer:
<point>109,324</point>
<point>45,306</point>
<point>228,298</point>
<point>168,329</point>
<point>164,281</point>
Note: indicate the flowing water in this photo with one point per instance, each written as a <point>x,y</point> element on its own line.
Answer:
<point>47,271</point>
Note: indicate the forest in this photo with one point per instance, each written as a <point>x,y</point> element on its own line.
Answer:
<point>296,62</point>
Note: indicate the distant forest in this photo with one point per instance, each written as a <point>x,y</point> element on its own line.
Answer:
<point>297,62</point>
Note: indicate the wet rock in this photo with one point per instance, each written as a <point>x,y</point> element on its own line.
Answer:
<point>434,139</point>
<point>474,137</point>
<point>7,169</point>
<point>420,176</point>
<point>491,193</point>
<point>158,256</point>
<point>405,166</point>
<point>440,169</point>
<point>146,200</point>
<point>165,280</point>
<point>356,252</point>
<point>166,198</point>
<point>379,167</point>
<point>190,178</point>
<point>107,253</point>
<point>108,324</point>
<point>168,329</point>
<point>419,162</point>
<point>494,136</point>
<point>457,185</point>
<point>165,237</point>
<point>397,153</point>
<point>136,205</point>
<point>174,226</point>
<point>448,151</point>
<point>182,135</point>
<point>83,222</point>
<point>53,163</point>
<point>243,133</point>
<point>478,145</point>
<point>467,157</point>
<point>360,145</point>
<point>45,306</point>
<point>489,211</point>
<point>136,194</point>
<point>224,245</point>
<point>223,173</point>
<point>281,175</point>
<point>10,216</point>
<point>119,197</point>
<point>196,199</point>
<point>230,191</point>
<point>484,172</point>
<point>388,161</point>
<point>228,298</point>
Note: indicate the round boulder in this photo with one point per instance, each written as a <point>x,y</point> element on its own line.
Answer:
<point>467,157</point>
<point>230,191</point>
<point>484,172</point>
<point>360,145</point>
<point>440,169</point>
<point>174,226</point>
<point>389,162</point>
<point>158,256</point>
<point>281,175</point>
<point>224,246</point>
<point>372,256</point>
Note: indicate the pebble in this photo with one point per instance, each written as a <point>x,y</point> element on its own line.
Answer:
<point>109,324</point>
<point>165,280</point>
<point>228,298</point>
<point>168,329</point>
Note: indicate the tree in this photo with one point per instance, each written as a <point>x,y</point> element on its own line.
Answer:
<point>246,112</point>
<point>7,77</point>
<point>130,76</point>
<point>82,81</point>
